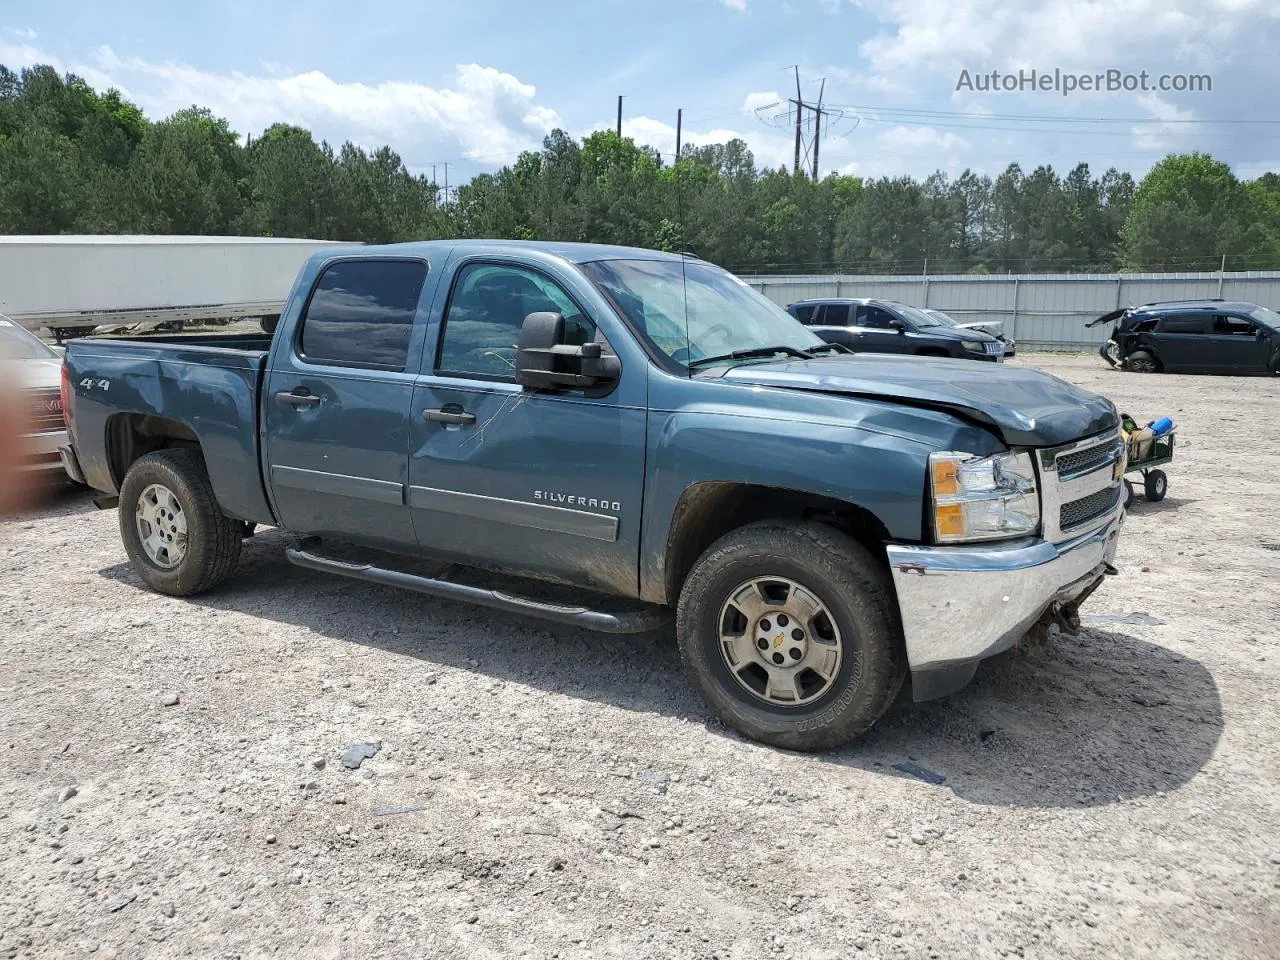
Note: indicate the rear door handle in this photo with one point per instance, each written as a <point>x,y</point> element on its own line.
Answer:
<point>298,399</point>
<point>452,413</point>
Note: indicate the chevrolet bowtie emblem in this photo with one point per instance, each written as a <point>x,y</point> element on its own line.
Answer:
<point>777,641</point>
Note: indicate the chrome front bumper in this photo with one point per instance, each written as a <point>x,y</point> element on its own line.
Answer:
<point>960,605</point>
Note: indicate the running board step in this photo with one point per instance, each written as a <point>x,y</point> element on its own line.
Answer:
<point>650,617</point>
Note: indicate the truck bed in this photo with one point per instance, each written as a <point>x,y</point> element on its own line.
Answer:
<point>128,389</point>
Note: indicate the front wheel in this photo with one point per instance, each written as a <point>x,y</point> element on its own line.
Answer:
<point>178,539</point>
<point>1140,361</point>
<point>790,632</point>
<point>1156,485</point>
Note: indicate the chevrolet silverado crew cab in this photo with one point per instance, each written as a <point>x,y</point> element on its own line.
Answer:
<point>640,425</point>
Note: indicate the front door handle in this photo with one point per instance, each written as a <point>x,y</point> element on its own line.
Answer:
<point>451,413</point>
<point>298,399</point>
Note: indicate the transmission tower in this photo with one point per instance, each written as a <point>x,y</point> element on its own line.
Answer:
<point>809,129</point>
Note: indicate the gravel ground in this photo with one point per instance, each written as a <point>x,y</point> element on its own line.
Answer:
<point>172,778</point>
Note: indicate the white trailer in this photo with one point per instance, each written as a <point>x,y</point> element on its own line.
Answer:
<point>72,284</point>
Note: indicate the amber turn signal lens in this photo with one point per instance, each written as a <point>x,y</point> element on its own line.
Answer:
<point>946,478</point>
<point>950,520</point>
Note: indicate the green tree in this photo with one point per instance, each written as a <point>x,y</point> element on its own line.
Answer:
<point>1188,212</point>
<point>188,174</point>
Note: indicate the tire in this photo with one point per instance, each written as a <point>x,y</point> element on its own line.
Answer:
<point>204,550</point>
<point>858,610</point>
<point>1140,361</point>
<point>1128,495</point>
<point>1156,484</point>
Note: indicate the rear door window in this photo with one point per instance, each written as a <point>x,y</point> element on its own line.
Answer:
<point>361,313</point>
<point>835,315</point>
<point>803,312</point>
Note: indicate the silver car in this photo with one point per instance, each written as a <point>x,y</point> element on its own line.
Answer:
<point>36,369</point>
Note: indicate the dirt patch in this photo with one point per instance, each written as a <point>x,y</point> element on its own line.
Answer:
<point>547,792</point>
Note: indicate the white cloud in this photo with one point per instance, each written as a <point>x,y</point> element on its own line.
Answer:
<point>1163,137</point>
<point>739,5</point>
<point>761,98</point>
<point>22,33</point>
<point>15,56</point>
<point>486,115</point>
<point>924,44</point>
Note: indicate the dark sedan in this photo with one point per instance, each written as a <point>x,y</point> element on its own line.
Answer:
<point>887,326</point>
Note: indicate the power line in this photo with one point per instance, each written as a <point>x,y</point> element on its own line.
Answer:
<point>1047,118</point>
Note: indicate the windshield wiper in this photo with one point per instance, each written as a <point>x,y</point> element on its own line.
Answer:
<point>837,347</point>
<point>749,354</point>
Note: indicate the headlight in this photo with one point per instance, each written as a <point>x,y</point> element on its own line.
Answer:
<point>983,498</point>
<point>974,346</point>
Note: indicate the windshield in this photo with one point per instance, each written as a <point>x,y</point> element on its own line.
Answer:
<point>918,317</point>
<point>692,311</point>
<point>1266,318</point>
<point>942,318</point>
<point>17,344</point>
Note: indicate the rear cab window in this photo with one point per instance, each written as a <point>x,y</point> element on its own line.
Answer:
<point>361,314</point>
<point>803,312</point>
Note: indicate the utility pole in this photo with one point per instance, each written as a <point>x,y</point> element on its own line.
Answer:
<point>619,117</point>
<point>799,102</point>
<point>679,121</point>
<point>435,184</point>
<point>446,184</point>
<point>817,128</point>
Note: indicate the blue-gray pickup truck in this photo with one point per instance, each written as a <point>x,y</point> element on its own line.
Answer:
<point>639,425</point>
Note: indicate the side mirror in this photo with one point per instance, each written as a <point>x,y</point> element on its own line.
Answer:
<point>898,325</point>
<point>544,361</point>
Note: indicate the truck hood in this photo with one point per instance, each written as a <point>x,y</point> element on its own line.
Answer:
<point>1025,407</point>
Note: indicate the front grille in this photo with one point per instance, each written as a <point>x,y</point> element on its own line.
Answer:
<point>993,347</point>
<point>44,410</point>
<point>1084,461</point>
<point>1087,508</point>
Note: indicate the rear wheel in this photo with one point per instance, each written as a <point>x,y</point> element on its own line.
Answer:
<point>1140,361</point>
<point>1156,484</point>
<point>177,538</point>
<point>790,631</point>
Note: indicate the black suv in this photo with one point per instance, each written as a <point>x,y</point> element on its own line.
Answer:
<point>887,326</point>
<point>1193,336</point>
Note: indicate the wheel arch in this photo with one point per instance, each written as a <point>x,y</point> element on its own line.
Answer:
<point>131,436</point>
<point>707,511</point>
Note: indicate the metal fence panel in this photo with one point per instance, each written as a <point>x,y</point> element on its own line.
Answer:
<point>1040,311</point>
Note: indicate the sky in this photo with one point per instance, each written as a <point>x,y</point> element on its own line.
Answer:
<point>473,83</point>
